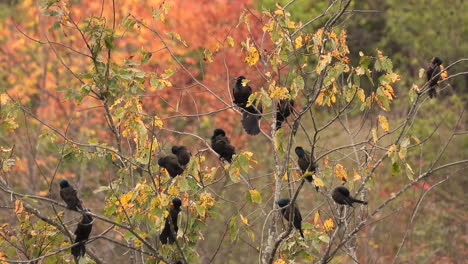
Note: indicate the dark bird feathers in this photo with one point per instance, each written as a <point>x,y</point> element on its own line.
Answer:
<point>182,153</point>
<point>171,164</point>
<point>342,196</point>
<point>82,234</point>
<point>284,109</point>
<point>306,163</point>
<point>241,92</point>
<point>167,235</point>
<point>70,196</point>
<point>250,119</point>
<point>433,75</point>
<point>296,214</point>
<point>221,145</point>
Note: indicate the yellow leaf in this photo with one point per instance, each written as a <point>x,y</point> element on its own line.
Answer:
<point>316,217</point>
<point>356,176</point>
<point>252,56</point>
<point>269,26</point>
<point>340,172</point>
<point>421,72</point>
<point>255,196</point>
<point>244,220</point>
<point>444,74</point>
<point>361,95</point>
<point>290,24</point>
<point>298,42</point>
<point>230,41</point>
<point>391,149</point>
<point>318,182</point>
<point>319,100</point>
<point>279,12</point>
<point>383,123</point>
<point>19,207</point>
<point>328,224</point>
<point>279,261</point>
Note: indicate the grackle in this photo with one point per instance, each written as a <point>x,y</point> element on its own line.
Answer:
<point>285,211</point>
<point>306,163</point>
<point>182,153</point>
<point>82,234</point>
<point>167,235</point>
<point>171,164</point>
<point>221,145</point>
<point>250,119</point>
<point>341,196</point>
<point>433,75</point>
<point>284,109</point>
<point>70,196</point>
<point>241,92</point>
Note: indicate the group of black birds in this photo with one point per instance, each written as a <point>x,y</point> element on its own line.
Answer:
<point>176,163</point>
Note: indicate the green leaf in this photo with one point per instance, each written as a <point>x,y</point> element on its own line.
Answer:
<point>324,239</point>
<point>254,196</point>
<point>280,141</point>
<point>233,228</point>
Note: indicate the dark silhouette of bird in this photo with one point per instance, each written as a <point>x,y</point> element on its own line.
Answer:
<point>250,119</point>
<point>167,235</point>
<point>296,214</point>
<point>306,163</point>
<point>221,145</point>
<point>182,153</point>
<point>171,164</point>
<point>70,196</point>
<point>341,196</point>
<point>433,75</point>
<point>241,92</point>
<point>82,234</point>
<point>251,114</point>
<point>284,109</point>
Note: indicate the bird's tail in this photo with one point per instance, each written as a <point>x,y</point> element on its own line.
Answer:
<point>79,250</point>
<point>432,92</point>
<point>250,123</point>
<point>301,232</point>
<point>358,201</point>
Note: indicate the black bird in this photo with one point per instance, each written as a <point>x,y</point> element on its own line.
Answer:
<point>284,109</point>
<point>171,164</point>
<point>70,196</point>
<point>82,234</point>
<point>341,196</point>
<point>221,145</point>
<point>250,119</point>
<point>433,75</point>
<point>285,211</point>
<point>182,153</point>
<point>167,235</point>
<point>306,163</point>
<point>241,92</point>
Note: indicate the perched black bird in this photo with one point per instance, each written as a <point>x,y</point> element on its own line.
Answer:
<point>221,144</point>
<point>250,119</point>
<point>433,75</point>
<point>82,234</point>
<point>171,164</point>
<point>69,196</point>
<point>306,163</point>
<point>341,196</point>
<point>285,211</point>
<point>182,153</point>
<point>166,234</point>
<point>241,92</point>
<point>285,108</point>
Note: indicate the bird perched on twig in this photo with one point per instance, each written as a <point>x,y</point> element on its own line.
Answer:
<point>221,145</point>
<point>182,153</point>
<point>433,75</point>
<point>171,164</point>
<point>166,234</point>
<point>70,196</point>
<point>341,196</point>
<point>82,234</point>
<point>284,109</point>
<point>251,114</point>
<point>296,214</point>
<point>306,163</point>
